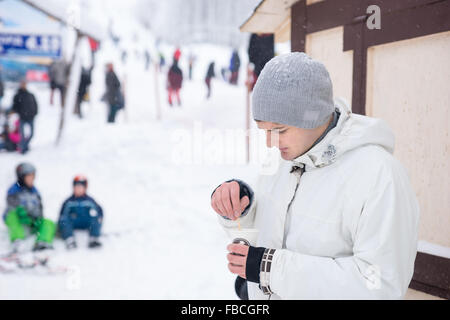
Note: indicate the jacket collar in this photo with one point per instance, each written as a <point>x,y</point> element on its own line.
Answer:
<point>325,151</point>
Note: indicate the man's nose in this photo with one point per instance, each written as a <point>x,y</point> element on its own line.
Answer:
<point>272,139</point>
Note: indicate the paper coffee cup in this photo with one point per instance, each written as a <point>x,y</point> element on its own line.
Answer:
<point>244,236</point>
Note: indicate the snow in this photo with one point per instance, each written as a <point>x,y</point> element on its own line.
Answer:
<point>162,239</point>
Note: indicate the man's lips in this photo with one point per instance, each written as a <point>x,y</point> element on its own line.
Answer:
<point>283,149</point>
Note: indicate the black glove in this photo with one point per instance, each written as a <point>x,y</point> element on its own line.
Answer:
<point>244,190</point>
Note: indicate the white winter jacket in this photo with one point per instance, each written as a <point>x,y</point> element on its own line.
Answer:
<point>351,230</point>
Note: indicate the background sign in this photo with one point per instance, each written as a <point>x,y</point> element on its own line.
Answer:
<point>30,45</point>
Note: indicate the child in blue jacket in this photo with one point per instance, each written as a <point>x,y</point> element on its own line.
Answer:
<point>80,212</point>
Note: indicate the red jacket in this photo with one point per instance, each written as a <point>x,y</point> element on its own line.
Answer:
<point>175,77</point>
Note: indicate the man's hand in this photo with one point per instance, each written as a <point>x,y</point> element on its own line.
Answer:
<point>226,201</point>
<point>237,258</point>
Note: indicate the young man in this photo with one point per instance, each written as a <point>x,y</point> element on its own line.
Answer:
<point>24,210</point>
<point>338,219</point>
<point>25,105</point>
<point>80,212</point>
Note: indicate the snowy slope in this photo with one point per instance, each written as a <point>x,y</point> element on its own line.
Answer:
<point>162,238</point>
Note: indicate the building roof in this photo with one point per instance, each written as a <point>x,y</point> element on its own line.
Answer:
<point>63,11</point>
<point>271,16</point>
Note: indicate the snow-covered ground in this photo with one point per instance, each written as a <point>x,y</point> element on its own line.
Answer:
<point>162,239</point>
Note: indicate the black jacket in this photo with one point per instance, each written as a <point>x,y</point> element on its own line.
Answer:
<point>25,105</point>
<point>210,74</point>
<point>113,93</point>
<point>260,50</point>
<point>85,81</point>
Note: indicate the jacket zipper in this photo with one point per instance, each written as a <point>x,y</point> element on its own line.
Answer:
<point>298,171</point>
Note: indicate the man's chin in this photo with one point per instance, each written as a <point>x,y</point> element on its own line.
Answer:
<point>286,156</point>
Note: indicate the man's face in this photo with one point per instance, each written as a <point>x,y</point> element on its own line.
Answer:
<point>29,180</point>
<point>79,190</point>
<point>292,141</point>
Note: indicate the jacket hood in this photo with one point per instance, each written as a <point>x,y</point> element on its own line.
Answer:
<point>351,132</point>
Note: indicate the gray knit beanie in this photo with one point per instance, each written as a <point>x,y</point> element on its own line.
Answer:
<point>293,90</point>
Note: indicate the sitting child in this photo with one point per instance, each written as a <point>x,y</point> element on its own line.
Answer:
<point>80,212</point>
<point>10,137</point>
<point>24,211</point>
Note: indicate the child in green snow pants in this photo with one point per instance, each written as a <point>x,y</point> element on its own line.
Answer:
<point>17,220</point>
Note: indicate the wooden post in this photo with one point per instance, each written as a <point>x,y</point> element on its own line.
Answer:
<point>249,87</point>
<point>64,100</point>
<point>247,125</point>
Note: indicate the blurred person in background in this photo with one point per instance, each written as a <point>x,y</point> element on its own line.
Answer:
<point>209,75</point>
<point>261,49</point>
<point>85,81</point>
<point>25,211</point>
<point>58,73</point>
<point>80,212</point>
<point>25,105</point>
<point>148,59</point>
<point>162,61</point>
<point>2,88</point>
<point>235,64</point>
<point>124,56</point>
<point>10,136</point>
<point>174,82</point>
<point>191,62</point>
<point>113,95</point>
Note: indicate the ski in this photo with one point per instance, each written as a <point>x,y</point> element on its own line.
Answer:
<point>29,263</point>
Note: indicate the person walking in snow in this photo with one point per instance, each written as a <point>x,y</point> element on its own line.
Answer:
<point>114,96</point>
<point>58,73</point>
<point>209,75</point>
<point>162,61</point>
<point>85,82</point>
<point>2,88</point>
<point>25,105</point>
<point>338,219</point>
<point>25,211</point>
<point>148,59</point>
<point>191,62</point>
<point>261,49</point>
<point>174,82</point>
<point>80,212</point>
<point>235,64</point>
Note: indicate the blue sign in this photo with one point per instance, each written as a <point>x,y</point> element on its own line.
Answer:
<point>30,45</point>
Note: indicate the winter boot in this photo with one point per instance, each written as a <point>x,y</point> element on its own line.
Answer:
<point>71,243</point>
<point>42,245</point>
<point>17,246</point>
<point>94,242</point>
